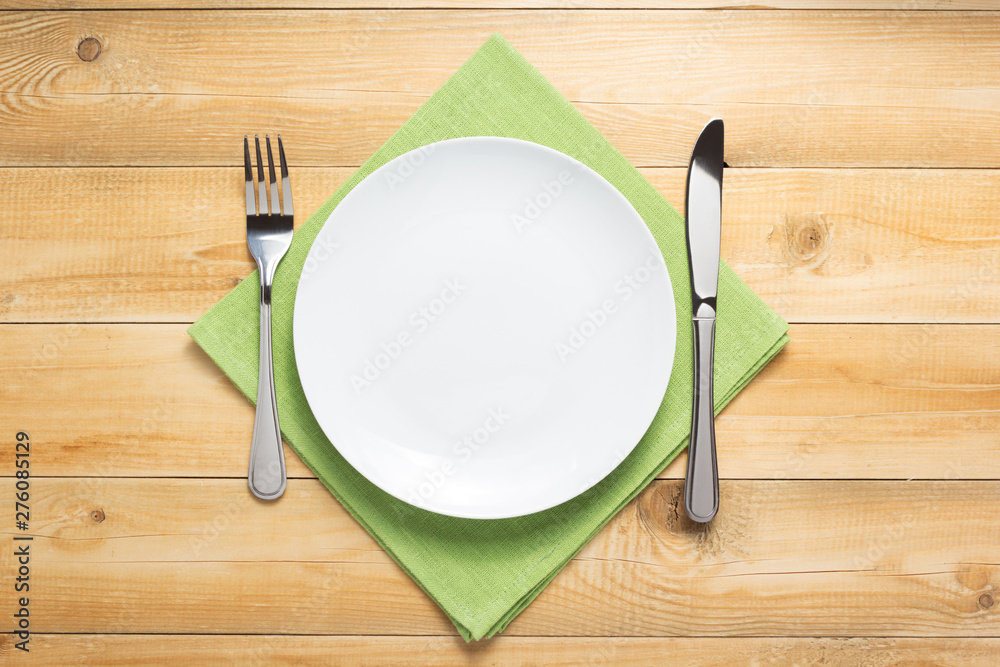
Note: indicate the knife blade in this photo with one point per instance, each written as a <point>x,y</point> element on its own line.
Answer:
<point>703,222</point>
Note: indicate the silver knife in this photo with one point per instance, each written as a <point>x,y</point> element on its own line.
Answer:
<point>703,219</point>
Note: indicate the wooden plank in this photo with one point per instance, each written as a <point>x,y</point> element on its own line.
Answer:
<point>868,402</point>
<point>862,245</point>
<point>124,400</point>
<point>130,244</point>
<point>841,401</point>
<point>837,245</point>
<point>815,89</point>
<point>791,558</point>
<point>154,650</point>
<point>903,5</point>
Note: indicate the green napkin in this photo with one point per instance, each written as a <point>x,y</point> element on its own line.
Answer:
<point>483,573</point>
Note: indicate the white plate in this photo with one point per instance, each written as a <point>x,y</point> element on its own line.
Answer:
<point>484,327</point>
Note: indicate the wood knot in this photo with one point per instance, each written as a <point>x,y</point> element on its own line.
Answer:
<point>89,49</point>
<point>661,508</point>
<point>986,601</point>
<point>97,516</point>
<point>807,237</point>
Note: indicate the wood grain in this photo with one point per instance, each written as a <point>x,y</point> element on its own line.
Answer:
<point>841,401</point>
<point>789,558</point>
<point>903,5</point>
<point>861,473</point>
<point>815,89</point>
<point>823,245</point>
<point>253,650</point>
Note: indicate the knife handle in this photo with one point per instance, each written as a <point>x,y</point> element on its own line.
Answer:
<point>701,491</point>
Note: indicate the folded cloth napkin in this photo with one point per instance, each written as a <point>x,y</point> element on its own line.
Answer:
<point>483,573</point>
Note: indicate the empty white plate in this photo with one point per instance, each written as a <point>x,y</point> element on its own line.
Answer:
<point>484,327</point>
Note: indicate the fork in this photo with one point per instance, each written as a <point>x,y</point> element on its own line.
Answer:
<point>269,233</point>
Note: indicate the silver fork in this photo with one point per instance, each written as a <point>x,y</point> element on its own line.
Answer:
<point>269,233</point>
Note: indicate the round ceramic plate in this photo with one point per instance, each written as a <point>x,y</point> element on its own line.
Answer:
<point>484,327</point>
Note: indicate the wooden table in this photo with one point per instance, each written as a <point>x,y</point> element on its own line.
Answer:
<point>861,469</point>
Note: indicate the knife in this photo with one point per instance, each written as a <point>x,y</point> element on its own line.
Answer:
<point>703,219</point>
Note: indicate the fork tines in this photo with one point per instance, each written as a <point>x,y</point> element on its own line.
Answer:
<point>257,204</point>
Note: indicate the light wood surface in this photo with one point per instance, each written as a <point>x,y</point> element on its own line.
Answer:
<point>905,5</point>
<point>839,402</point>
<point>258,650</point>
<point>810,558</point>
<point>861,468</point>
<point>834,245</point>
<point>813,89</point>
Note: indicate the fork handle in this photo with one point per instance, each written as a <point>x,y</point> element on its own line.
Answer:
<point>701,491</point>
<point>267,460</point>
